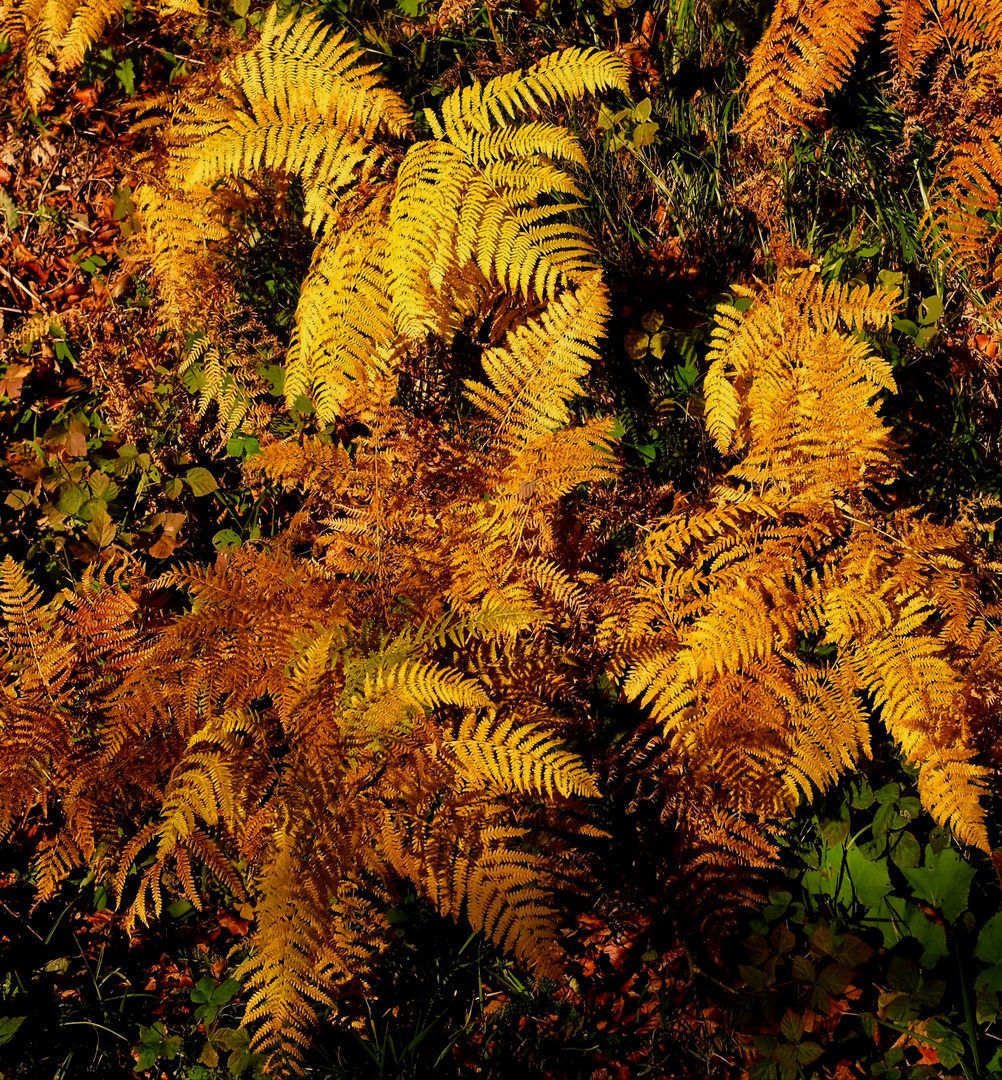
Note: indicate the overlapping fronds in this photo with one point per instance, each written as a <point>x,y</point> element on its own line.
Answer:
<point>343,318</point>
<point>756,629</point>
<point>806,52</point>
<point>921,32</point>
<point>790,387</point>
<point>539,369</point>
<point>963,227</point>
<point>300,102</point>
<point>51,34</point>
<point>470,215</point>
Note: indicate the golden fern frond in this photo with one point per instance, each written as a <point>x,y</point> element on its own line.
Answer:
<point>807,52</point>
<point>313,466</point>
<point>471,194</point>
<point>418,684</point>
<point>296,102</point>
<point>180,229</point>
<point>563,76</point>
<point>89,22</point>
<point>35,28</point>
<point>492,152</point>
<point>962,226</point>
<point>301,64</point>
<point>202,788</point>
<point>830,730</point>
<point>57,857</point>
<point>917,30</point>
<point>794,389</point>
<point>302,951</point>
<point>41,657</point>
<point>530,250</point>
<point>507,898</point>
<point>917,692</point>
<point>343,316</point>
<point>520,757</point>
<point>423,220</point>
<point>533,377</point>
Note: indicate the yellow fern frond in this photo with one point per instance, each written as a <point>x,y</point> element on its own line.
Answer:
<point>423,220</point>
<point>343,317</point>
<point>562,76</point>
<point>89,22</point>
<point>300,102</point>
<point>533,377</point>
<point>792,388</point>
<point>520,757</point>
<point>918,30</point>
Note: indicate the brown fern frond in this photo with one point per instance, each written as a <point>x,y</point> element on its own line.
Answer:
<point>963,226</point>
<point>807,52</point>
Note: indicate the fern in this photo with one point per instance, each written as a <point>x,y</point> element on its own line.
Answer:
<point>806,52</point>
<point>721,600</point>
<point>963,227</point>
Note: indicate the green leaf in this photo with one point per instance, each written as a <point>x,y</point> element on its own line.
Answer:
<point>8,1026</point>
<point>862,795</point>
<point>834,978</point>
<point>126,75</point>
<point>9,208</point>
<point>71,498</point>
<point>888,916</point>
<point>903,975</point>
<point>754,977</point>
<point>989,947</point>
<point>930,310</point>
<point>906,851</point>
<point>950,1047</point>
<point>226,540</point>
<point>988,1006</point>
<point>765,1044</point>
<point>242,446</point>
<point>802,970</point>
<point>791,1026</point>
<point>928,933</point>
<point>201,481</point>
<point>870,880</point>
<point>808,1052</point>
<point>890,279</point>
<point>944,881</point>
<point>154,1044</point>
<point>990,979</point>
<point>225,991</point>
<point>173,486</point>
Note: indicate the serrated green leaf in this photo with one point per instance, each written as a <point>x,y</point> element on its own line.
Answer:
<point>791,1027</point>
<point>201,481</point>
<point>944,881</point>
